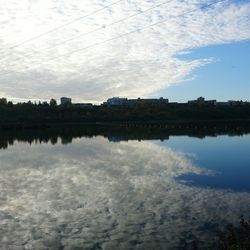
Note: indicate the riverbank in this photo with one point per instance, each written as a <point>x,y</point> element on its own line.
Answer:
<point>135,123</point>
<point>38,116</point>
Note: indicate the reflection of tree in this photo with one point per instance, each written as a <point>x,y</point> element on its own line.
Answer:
<point>66,139</point>
<point>54,140</point>
<point>3,144</point>
<point>131,131</point>
<point>235,237</point>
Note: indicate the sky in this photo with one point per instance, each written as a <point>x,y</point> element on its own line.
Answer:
<point>178,49</point>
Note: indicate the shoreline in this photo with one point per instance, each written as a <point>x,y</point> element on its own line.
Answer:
<point>136,123</point>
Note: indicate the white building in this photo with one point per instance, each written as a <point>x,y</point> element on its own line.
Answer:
<point>117,101</point>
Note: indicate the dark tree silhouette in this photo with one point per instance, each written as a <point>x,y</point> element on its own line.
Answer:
<point>53,103</point>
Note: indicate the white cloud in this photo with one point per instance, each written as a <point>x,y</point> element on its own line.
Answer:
<point>135,65</point>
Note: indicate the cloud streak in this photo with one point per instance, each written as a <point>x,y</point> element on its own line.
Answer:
<point>138,64</point>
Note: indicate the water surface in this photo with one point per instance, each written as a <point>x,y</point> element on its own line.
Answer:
<point>99,193</point>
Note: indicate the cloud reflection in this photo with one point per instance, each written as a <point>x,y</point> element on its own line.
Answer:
<point>95,194</point>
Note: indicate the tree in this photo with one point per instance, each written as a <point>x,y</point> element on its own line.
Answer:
<point>53,103</point>
<point>3,101</point>
<point>10,104</point>
<point>45,104</point>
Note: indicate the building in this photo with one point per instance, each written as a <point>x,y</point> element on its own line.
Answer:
<point>236,103</point>
<point>117,101</point>
<point>65,100</point>
<point>114,101</point>
<point>201,100</point>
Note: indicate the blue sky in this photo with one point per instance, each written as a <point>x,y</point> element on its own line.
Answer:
<point>227,78</point>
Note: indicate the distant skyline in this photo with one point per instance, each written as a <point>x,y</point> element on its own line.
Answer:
<point>187,50</point>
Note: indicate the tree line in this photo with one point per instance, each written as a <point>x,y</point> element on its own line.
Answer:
<point>44,113</point>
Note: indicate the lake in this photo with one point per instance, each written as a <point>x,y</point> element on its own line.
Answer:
<point>114,191</point>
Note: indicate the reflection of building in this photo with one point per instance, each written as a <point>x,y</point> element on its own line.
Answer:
<point>65,100</point>
<point>117,101</point>
<point>66,139</point>
<point>119,138</point>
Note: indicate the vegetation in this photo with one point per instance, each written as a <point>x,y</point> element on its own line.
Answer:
<point>41,114</point>
<point>231,238</point>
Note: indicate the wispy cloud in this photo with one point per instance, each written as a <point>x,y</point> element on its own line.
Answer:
<point>134,65</point>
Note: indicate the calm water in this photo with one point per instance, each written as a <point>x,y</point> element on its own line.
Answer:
<point>95,193</point>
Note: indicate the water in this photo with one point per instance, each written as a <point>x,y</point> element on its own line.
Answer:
<point>78,192</point>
